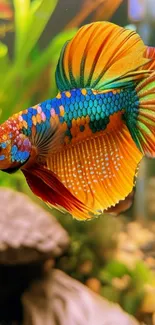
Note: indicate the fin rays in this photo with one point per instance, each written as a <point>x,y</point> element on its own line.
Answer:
<point>99,55</point>
<point>99,171</point>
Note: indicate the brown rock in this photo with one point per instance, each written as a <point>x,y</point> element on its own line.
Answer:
<point>58,299</point>
<point>27,232</point>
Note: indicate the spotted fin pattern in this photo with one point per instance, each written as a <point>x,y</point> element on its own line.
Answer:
<point>99,171</point>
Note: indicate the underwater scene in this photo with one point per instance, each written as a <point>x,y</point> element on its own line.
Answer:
<point>77,169</point>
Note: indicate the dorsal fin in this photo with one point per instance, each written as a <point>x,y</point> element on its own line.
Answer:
<point>101,55</point>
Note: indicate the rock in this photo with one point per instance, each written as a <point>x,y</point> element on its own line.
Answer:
<point>58,299</point>
<point>27,232</point>
<point>30,240</point>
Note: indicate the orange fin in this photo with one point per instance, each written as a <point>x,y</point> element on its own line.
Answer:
<point>150,54</point>
<point>99,171</point>
<point>50,189</point>
<point>101,56</point>
<point>141,121</point>
<point>122,206</point>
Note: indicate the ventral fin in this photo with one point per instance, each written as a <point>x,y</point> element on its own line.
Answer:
<point>50,189</point>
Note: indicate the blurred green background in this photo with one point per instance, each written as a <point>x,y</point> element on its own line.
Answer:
<point>113,256</point>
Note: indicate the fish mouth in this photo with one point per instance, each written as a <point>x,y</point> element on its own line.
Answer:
<point>15,168</point>
<point>11,170</point>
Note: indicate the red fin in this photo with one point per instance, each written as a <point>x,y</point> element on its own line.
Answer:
<point>50,189</point>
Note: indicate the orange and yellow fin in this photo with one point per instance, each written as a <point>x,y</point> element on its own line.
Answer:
<point>99,171</point>
<point>101,56</point>
<point>141,119</point>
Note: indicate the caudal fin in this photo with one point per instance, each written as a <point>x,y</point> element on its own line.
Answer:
<point>150,54</point>
<point>141,121</point>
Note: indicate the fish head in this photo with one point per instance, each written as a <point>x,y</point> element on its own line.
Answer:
<point>15,148</point>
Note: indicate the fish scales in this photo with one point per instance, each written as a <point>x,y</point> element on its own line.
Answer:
<point>81,112</point>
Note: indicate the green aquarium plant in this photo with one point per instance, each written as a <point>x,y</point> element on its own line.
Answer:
<point>20,75</point>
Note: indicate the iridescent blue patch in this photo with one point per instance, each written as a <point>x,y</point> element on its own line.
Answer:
<point>18,155</point>
<point>3,145</point>
<point>25,117</point>
<point>61,119</point>
<point>2,157</point>
<point>14,149</point>
<point>29,122</point>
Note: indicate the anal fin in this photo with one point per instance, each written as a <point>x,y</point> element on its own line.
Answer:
<point>99,171</point>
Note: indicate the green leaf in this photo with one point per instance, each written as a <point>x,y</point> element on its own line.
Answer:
<point>110,293</point>
<point>58,42</point>
<point>3,50</point>
<point>4,62</point>
<point>132,300</point>
<point>39,13</point>
<point>141,275</point>
<point>55,49</point>
<point>49,55</point>
<point>22,21</point>
<point>113,269</point>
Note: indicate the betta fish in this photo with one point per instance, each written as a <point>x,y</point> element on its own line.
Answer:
<point>80,151</point>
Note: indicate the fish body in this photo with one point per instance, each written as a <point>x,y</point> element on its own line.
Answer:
<point>80,150</point>
<point>81,113</point>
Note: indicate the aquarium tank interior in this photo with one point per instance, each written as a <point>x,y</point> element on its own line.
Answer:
<point>55,269</point>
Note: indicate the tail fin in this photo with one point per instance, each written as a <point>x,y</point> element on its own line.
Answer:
<point>150,54</point>
<point>101,56</point>
<point>141,122</point>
